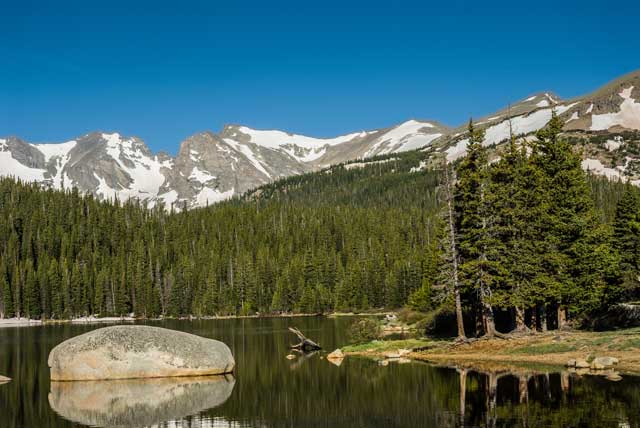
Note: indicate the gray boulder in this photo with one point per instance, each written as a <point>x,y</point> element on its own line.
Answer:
<point>133,352</point>
<point>604,362</point>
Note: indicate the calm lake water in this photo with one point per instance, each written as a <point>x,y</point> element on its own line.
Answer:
<point>270,391</point>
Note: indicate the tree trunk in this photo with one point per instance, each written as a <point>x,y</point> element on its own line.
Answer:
<point>485,289</point>
<point>489,322</point>
<point>521,326</point>
<point>562,317</point>
<point>479,320</point>
<point>305,344</point>
<point>454,256</point>
<point>543,318</point>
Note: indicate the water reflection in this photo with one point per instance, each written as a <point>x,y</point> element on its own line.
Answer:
<point>273,391</point>
<point>525,397</point>
<point>138,402</point>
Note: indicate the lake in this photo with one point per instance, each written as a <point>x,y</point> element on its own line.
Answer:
<point>268,390</point>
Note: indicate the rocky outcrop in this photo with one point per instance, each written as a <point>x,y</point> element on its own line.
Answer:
<point>130,403</point>
<point>132,352</point>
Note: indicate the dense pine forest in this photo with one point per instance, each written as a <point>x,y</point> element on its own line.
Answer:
<point>529,234</point>
<point>66,255</point>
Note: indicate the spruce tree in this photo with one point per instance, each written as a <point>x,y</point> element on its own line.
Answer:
<point>477,243</point>
<point>626,229</point>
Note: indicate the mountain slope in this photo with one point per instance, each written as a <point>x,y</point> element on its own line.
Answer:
<point>211,167</point>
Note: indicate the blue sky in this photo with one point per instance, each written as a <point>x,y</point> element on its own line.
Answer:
<point>163,71</point>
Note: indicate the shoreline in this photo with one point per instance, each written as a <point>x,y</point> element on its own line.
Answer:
<point>551,349</point>
<point>27,322</point>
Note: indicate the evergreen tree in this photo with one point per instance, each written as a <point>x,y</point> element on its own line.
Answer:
<point>626,227</point>
<point>477,243</point>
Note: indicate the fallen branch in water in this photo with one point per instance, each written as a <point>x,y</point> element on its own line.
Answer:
<point>305,345</point>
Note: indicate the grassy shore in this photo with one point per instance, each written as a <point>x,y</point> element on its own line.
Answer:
<point>551,348</point>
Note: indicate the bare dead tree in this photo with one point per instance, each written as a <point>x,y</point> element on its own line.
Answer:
<point>305,344</point>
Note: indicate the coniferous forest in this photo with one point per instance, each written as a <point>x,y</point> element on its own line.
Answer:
<point>529,238</point>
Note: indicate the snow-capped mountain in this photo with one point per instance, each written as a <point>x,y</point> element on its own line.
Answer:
<point>212,167</point>
<point>613,108</point>
<point>209,167</point>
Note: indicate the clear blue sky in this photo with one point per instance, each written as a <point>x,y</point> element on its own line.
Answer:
<point>165,71</point>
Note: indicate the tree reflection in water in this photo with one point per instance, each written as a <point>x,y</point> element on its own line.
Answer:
<point>272,391</point>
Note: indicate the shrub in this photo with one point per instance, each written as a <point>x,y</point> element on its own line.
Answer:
<point>409,316</point>
<point>364,330</point>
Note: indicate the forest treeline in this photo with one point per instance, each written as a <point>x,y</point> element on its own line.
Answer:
<point>63,254</point>
<point>347,238</point>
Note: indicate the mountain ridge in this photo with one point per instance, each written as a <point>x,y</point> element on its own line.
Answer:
<point>210,167</point>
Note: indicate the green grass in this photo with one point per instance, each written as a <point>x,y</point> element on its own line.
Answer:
<point>626,345</point>
<point>547,348</point>
<point>389,345</point>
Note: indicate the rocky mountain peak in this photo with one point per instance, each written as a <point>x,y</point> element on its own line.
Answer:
<point>210,166</point>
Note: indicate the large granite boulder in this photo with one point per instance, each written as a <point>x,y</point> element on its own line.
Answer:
<point>138,402</point>
<point>133,352</point>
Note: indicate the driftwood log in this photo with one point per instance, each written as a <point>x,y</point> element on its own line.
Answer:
<point>305,344</point>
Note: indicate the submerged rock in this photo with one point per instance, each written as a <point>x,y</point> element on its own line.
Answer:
<point>132,352</point>
<point>138,402</point>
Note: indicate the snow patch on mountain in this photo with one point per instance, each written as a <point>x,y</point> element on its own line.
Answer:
<point>59,150</point>
<point>524,124</point>
<point>421,167</point>
<point>104,190</point>
<point>60,154</point>
<point>12,167</point>
<point>248,154</point>
<point>404,137</point>
<point>208,196</point>
<point>201,176</point>
<point>358,165</point>
<point>628,116</point>
<point>146,177</point>
<point>596,167</point>
<point>276,139</point>
<point>169,198</point>
<point>613,145</point>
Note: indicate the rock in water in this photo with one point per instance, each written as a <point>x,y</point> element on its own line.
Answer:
<point>133,352</point>
<point>138,402</point>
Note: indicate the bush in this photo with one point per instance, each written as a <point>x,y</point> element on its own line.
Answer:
<point>409,316</point>
<point>364,330</point>
<point>440,322</point>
